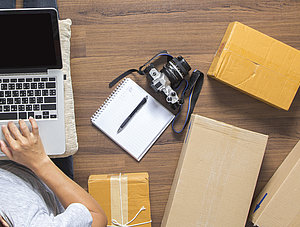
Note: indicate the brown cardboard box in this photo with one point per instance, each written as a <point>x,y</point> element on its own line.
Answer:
<point>278,204</point>
<point>122,197</point>
<point>258,65</point>
<point>216,175</point>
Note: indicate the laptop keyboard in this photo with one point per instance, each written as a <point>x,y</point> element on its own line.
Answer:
<point>21,98</point>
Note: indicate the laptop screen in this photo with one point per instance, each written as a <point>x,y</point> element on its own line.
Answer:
<point>29,40</point>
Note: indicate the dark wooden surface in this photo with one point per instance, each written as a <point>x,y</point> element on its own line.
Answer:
<point>110,36</point>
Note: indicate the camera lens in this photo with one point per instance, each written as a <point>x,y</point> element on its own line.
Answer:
<point>176,70</point>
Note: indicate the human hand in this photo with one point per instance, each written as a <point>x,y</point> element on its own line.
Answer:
<point>25,147</point>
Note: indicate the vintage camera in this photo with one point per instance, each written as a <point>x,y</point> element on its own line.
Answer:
<point>168,78</point>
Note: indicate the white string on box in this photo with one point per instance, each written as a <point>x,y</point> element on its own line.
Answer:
<point>109,99</point>
<point>116,223</point>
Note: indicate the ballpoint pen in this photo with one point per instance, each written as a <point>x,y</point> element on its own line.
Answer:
<point>144,100</point>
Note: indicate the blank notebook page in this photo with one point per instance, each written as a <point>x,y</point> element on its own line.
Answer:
<point>145,126</point>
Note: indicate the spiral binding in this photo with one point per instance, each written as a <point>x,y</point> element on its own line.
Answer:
<point>109,99</point>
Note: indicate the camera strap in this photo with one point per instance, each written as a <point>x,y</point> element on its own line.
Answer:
<point>111,84</point>
<point>140,70</point>
<point>194,86</point>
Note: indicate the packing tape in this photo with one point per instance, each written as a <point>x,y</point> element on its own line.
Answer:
<point>119,202</point>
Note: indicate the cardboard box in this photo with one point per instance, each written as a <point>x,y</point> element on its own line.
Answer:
<point>258,65</point>
<point>122,197</point>
<point>216,175</point>
<point>278,204</point>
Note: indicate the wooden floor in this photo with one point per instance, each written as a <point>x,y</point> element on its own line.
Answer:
<point>111,36</point>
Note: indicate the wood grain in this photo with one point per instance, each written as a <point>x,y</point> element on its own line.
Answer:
<point>110,36</point>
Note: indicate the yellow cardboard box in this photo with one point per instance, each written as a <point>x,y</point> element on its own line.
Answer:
<point>123,197</point>
<point>258,65</point>
<point>278,204</point>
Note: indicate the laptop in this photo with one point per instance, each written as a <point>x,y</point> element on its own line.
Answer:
<point>31,79</point>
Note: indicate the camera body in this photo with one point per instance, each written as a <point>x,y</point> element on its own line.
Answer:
<point>168,78</point>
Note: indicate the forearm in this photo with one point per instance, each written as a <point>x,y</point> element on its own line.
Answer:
<point>67,191</point>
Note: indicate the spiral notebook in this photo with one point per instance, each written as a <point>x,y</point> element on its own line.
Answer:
<point>145,126</point>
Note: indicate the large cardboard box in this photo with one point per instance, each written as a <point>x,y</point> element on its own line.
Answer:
<point>123,197</point>
<point>278,204</point>
<point>216,175</point>
<point>258,65</point>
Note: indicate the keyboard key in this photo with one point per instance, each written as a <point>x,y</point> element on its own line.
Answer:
<point>17,100</point>
<point>1,93</point>
<point>37,92</point>
<point>52,79</point>
<point>33,85</point>
<point>38,116</point>
<point>45,114</point>
<point>49,99</point>
<point>18,86</point>
<point>3,86</point>
<point>10,101</point>
<point>2,101</point>
<point>8,116</point>
<point>32,100</point>
<point>40,85</point>
<point>14,108</point>
<point>6,108</point>
<point>21,80</point>
<point>30,114</point>
<point>22,115</point>
<point>24,100</point>
<point>36,79</point>
<point>21,107</point>
<point>28,79</point>
<point>26,86</point>
<point>11,86</point>
<point>0,108</point>
<point>28,107</point>
<point>45,92</point>
<point>52,92</point>
<point>48,106</point>
<point>7,93</point>
<point>39,100</point>
<point>29,92</point>
<point>22,93</point>
<point>53,116</point>
<point>13,80</point>
<point>50,85</point>
<point>44,79</point>
<point>5,80</point>
<point>15,93</point>
<point>36,107</point>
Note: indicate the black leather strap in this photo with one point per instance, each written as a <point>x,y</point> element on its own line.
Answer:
<point>140,70</point>
<point>111,84</point>
<point>197,90</point>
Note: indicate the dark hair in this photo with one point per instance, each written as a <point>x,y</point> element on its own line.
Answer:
<point>6,219</point>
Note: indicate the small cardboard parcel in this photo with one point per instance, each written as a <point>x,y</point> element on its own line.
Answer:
<point>123,197</point>
<point>258,65</point>
<point>278,204</point>
<point>216,175</point>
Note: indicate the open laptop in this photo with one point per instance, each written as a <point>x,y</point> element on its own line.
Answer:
<point>31,80</point>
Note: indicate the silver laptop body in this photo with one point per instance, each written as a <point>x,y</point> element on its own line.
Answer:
<point>31,80</point>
